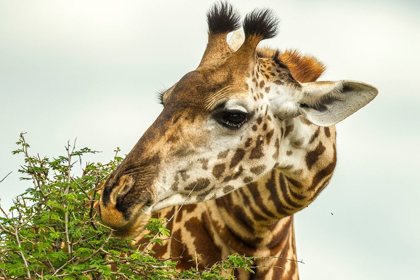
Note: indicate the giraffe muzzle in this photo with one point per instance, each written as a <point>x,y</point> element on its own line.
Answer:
<point>122,209</point>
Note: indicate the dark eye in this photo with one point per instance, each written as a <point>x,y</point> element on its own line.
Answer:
<point>233,119</point>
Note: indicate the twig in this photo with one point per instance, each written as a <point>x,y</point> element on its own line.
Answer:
<point>50,264</point>
<point>196,260</point>
<point>81,273</point>
<point>16,234</point>
<point>180,207</point>
<point>267,266</point>
<point>280,257</point>
<point>5,177</point>
<point>92,204</point>
<point>63,266</point>
<point>96,251</point>
<point>81,189</point>
<point>66,214</point>
<point>33,174</point>
<point>84,260</point>
<point>120,274</point>
<point>6,230</point>
<point>25,152</point>
<point>4,212</point>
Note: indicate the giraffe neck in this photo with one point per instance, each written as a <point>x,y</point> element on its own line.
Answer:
<point>258,218</point>
<point>308,159</point>
<point>237,225</point>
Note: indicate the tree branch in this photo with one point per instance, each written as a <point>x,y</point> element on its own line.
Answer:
<point>5,177</point>
<point>16,234</point>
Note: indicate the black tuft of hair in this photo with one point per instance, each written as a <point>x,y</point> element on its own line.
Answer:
<point>222,18</point>
<point>261,23</point>
<point>160,96</point>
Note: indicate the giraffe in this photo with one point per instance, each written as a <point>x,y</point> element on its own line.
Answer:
<point>243,142</point>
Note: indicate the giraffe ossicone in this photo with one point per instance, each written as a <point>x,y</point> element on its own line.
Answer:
<point>245,141</point>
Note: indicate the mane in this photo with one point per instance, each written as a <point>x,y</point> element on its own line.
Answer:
<point>304,68</point>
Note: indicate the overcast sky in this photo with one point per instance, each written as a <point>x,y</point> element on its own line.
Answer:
<point>91,69</point>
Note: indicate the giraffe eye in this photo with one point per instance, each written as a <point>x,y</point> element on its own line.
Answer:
<point>233,119</point>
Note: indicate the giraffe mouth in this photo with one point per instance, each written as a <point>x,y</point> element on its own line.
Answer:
<point>134,229</point>
<point>135,225</point>
<point>127,224</point>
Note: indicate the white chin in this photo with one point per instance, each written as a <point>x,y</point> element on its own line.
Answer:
<point>173,200</point>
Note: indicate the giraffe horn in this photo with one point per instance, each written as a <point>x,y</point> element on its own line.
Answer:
<point>221,19</point>
<point>258,25</point>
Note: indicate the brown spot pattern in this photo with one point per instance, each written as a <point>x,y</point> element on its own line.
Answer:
<point>218,170</point>
<point>223,154</point>
<point>248,142</point>
<point>289,129</point>
<point>257,170</point>
<point>299,142</point>
<point>277,146</point>
<point>204,163</point>
<point>237,157</point>
<point>268,136</point>
<point>313,156</point>
<point>228,189</point>
<point>174,186</point>
<point>184,175</point>
<point>248,179</point>
<point>328,170</point>
<point>198,185</point>
<point>315,135</point>
<point>327,132</point>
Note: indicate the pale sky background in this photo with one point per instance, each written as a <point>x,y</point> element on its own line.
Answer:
<point>91,70</point>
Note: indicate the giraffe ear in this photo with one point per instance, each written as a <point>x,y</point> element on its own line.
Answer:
<point>327,103</point>
<point>236,40</point>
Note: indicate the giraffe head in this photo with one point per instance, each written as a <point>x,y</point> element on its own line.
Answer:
<point>223,124</point>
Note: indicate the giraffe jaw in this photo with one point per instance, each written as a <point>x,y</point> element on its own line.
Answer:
<point>171,200</point>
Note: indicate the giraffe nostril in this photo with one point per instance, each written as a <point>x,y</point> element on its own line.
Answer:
<point>125,189</point>
<point>126,183</point>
